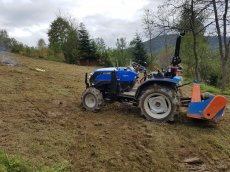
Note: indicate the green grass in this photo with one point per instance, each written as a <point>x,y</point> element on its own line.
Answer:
<point>10,163</point>
<point>211,89</point>
<point>208,88</point>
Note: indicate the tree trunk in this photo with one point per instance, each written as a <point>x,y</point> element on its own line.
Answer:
<point>226,48</point>
<point>197,73</point>
<point>223,56</point>
<point>166,44</point>
<point>150,47</point>
<point>194,34</point>
<point>224,74</point>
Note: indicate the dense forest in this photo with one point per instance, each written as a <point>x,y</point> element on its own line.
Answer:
<point>204,49</point>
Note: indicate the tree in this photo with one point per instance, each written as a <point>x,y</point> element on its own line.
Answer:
<point>102,52</point>
<point>138,50</point>
<point>148,28</point>
<point>121,53</point>
<point>63,37</point>
<point>86,47</point>
<point>58,34</point>
<point>41,44</point>
<point>71,47</point>
<point>93,50</point>
<point>184,15</point>
<point>224,43</point>
<point>121,44</point>
<point>191,20</point>
<point>15,46</point>
<point>4,40</point>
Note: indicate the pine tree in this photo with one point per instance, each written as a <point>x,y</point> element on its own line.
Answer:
<point>87,47</point>
<point>138,50</point>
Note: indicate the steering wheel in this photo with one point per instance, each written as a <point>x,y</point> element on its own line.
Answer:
<point>138,67</point>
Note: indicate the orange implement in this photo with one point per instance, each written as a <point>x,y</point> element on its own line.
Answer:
<point>196,97</point>
<point>217,103</point>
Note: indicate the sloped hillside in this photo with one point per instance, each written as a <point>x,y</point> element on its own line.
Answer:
<point>42,122</point>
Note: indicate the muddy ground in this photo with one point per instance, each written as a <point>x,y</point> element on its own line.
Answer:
<point>42,122</point>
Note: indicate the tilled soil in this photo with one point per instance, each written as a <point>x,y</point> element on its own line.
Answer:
<point>42,122</point>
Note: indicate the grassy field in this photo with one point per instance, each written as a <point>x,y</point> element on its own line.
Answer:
<point>43,125</point>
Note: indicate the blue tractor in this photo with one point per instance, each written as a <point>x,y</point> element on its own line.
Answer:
<point>157,94</point>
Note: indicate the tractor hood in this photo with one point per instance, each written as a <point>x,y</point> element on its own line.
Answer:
<point>110,69</point>
<point>123,74</point>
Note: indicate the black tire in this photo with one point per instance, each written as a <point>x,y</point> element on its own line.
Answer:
<point>162,101</point>
<point>92,99</point>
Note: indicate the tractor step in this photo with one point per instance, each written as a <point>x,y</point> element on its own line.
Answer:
<point>184,101</point>
<point>127,98</point>
<point>185,98</point>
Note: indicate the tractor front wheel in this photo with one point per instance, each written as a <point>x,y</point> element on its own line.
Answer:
<point>158,104</point>
<point>92,99</point>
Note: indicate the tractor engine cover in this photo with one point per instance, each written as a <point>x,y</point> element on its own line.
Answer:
<point>125,76</point>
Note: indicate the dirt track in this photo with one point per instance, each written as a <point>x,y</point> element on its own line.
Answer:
<point>42,122</point>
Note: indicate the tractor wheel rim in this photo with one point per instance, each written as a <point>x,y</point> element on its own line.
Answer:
<point>157,105</point>
<point>90,100</point>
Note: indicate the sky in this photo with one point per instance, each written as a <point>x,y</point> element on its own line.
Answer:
<point>29,20</point>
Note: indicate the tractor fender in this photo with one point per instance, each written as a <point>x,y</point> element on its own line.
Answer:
<point>166,82</point>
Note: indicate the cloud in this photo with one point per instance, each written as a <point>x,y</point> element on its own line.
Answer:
<point>24,13</point>
<point>111,29</point>
<point>29,20</point>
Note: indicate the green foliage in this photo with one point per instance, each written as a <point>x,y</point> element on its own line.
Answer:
<point>119,58</point>
<point>70,47</point>
<point>63,38</point>
<point>211,70</point>
<point>121,44</point>
<point>15,46</point>
<point>211,89</point>
<point>41,48</point>
<point>58,34</point>
<point>187,54</point>
<point>185,24</point>
<point>121,55</point>
<point>102,52</point>
<point>41,44</point>
<point>5,41</point>
<point>138,50</point>
<point>87,47</point>
<point>163,57</point>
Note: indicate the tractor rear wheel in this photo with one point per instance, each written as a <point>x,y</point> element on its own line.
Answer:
<point>158,104</point>
<point>92,99</point>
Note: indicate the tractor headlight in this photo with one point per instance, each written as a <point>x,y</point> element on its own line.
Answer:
<point>90,75</point>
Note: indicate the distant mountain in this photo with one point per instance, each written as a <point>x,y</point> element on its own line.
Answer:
<point>159,42</point>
